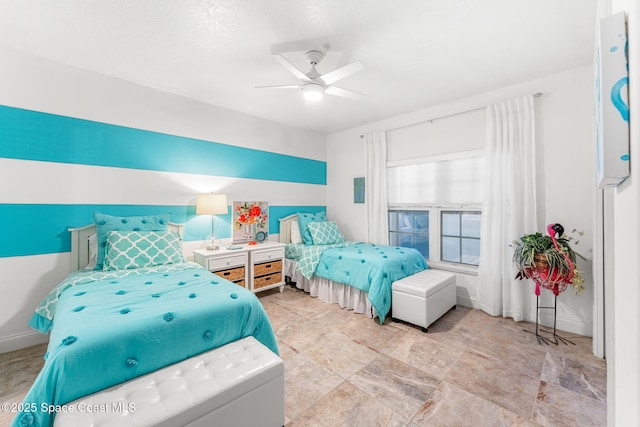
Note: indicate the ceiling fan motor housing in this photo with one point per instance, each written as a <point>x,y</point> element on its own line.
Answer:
<point>314,56</point>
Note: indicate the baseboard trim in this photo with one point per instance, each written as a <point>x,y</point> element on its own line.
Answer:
<point>562,323</point>
<point>565,324</point>
<point>21,340</point>
<point>465,300</point>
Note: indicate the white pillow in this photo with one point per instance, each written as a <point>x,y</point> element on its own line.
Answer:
<point>93,251</point>
<point>295,232</point>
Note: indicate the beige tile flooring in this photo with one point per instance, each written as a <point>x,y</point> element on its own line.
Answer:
<point>470,369</point>
<point>344,369</point>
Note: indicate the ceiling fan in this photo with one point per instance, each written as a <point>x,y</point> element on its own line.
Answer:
<point>313,84</point>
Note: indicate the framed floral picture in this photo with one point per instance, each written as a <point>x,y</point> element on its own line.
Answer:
<point>248,220</point>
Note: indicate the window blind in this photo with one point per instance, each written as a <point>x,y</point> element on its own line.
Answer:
<point>458,180</point>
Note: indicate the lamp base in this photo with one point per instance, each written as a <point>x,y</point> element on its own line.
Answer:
<point>213,247</point>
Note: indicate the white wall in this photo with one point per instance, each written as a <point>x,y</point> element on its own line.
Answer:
<point>565,132</point>
<point>36,84</point>
<point>623,325</point>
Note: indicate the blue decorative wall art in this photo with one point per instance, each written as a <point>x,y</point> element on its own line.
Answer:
<point>612,102</point>
<point>358,190</point>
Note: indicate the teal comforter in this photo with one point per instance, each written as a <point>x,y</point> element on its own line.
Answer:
<point>111,330</point>
<point>368,267</point>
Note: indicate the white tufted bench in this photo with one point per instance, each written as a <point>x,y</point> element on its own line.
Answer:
<point>239,384</point>
<point>424,297</point>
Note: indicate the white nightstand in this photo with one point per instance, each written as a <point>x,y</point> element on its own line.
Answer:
<point>266,264</point>
<point>257,267</point>
<point>229,264</point>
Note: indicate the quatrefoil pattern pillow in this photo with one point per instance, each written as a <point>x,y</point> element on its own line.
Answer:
<point>304,219</point>
<point>325,233</point>
<point>107,223</point>
<point>138,249</point>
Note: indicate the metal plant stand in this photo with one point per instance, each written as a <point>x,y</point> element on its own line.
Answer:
<point>556,338</point>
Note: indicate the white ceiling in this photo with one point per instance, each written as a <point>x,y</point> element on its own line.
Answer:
<point>416,53</point>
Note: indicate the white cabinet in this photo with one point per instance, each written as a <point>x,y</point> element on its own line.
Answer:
<point>256,267</point>
<point>266,263</point>
<point>232,265</point>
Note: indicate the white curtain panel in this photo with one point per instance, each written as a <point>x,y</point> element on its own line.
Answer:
<point>509,208</point>
<point>375,184</point>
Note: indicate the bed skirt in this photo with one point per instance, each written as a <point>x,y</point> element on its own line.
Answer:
<point>329,291</point>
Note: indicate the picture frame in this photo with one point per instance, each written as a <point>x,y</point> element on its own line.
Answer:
<point>358,190</point>
<point>248,219</point>
<point>612,102</point>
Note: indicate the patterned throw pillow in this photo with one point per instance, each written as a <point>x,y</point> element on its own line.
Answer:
<point>139,249</point>
<point>325,233</point>
<point>107,223</point>
<point>304,219</point>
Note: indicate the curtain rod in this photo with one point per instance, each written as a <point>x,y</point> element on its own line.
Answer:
<point>535,95</point>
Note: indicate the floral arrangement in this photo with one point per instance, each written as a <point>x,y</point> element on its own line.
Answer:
<point>249,216</point>
<point>549,261</point>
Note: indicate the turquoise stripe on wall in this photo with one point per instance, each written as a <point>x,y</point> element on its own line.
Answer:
<point>33,229</point>
<point>31,135</point>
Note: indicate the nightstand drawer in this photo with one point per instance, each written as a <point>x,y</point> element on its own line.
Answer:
<point>231,274</point>
<point>214,264</point>
<point>261,282</point>
<point>268,255</point>
<point>267,268</point>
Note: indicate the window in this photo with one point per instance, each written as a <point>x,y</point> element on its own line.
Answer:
<point>460,237</point>
<point>410,229</point>
<point>435,207</point>
<point>442,234</point>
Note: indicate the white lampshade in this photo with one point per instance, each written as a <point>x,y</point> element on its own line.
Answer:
<point>211,204</point>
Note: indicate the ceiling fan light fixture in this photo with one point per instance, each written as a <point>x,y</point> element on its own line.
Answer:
<point>315,85</point>
<point>312,91</point>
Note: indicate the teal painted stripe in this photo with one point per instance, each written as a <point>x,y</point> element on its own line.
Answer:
<point>31,135</point>
<point>34,229</point>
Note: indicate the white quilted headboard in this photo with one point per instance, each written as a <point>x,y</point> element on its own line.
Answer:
<point>80,243</point>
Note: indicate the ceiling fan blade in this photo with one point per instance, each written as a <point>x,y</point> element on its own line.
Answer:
<point>289,66</point>
<point>341,73</point>
<point>338,91</point>
<point>279,87</point>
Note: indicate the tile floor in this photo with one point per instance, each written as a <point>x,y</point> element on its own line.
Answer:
<point>344,369</point>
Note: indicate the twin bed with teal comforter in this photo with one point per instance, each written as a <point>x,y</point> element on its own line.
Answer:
<point>370,268</point>
<point>110,326</point>
<point>324,253</point>
<point>364,266</point>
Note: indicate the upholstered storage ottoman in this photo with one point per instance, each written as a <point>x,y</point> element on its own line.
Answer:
<point>424,297</point>
<point>239,384</point>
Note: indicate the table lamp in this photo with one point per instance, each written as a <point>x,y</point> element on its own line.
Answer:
<point>212,204</point>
